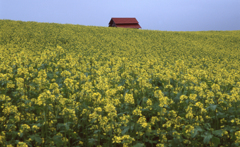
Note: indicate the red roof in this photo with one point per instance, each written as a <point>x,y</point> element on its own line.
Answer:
<point>124,22</point>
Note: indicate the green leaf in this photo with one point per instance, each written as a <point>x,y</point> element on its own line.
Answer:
<point>50,75</point>
<point>175,142</point>
<point>57,140</point>
<point>177,98</point>
<point>207,138</point>
<point>218,133</point>
<point>38,139</point>
<point>194,134</point>
<point>96,131</point>
<point>16,141</point>
<point>139,145</point>
<point>207,126</point>
<point>93,120</point>
<point>67,126</point>
<point>212,107</point>
<point>32,137</point>
<point>221,115</point>
<point>125,130</point>
<point>120,114</point>
<point>139,102</point>
<point>59,125</point>
<point>216,141</point>
<point>21,134</point>
<point>145,99</point>
<point>122,82</point>
<point>132,127</point>
<point>125,91</point>
<point>150,141</point>
<point>198,128</point>
<point>92,141</point>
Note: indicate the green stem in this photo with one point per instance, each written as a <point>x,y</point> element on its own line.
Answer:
<point>111,134</point>
<point>235,107</point>
<point>169,94</point>
<point>24,85</point>
<point>135,135</point>
<point>99,137</point>
<point>86,133</point>
<point>65,130</point>
<point>42,131</point>
<point>45,121</point>
<point>216,120</point>
<point>161,118</point>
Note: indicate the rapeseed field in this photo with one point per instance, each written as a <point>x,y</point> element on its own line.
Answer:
<point>72,85</point>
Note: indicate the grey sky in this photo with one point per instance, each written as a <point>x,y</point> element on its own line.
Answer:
<point>165,15</point>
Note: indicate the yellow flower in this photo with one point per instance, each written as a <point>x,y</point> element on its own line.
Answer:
<point>225,132</point>
<point>182,98</point>
<point>215,87</point>
<point>80,142</point>
<point>129,98</point>
<point>22,144</point>
<point>149,102</point>
<point>25,127</point>
<point>193,97</point>
<point>116,139</point>
<point>137,112</point>
<point>99,109</point>
<point>160,145</point>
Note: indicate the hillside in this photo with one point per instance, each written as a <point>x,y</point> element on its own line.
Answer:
<point>74,85</point>
<point>130,43</point>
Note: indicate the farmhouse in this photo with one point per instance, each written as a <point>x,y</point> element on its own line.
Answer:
<point>124,23</point>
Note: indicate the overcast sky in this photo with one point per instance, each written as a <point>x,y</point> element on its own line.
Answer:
<point>165,15</point>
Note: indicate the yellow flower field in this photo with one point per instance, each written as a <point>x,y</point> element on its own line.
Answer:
<point>73,85</point>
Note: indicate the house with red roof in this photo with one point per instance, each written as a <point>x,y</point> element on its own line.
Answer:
<point>124,23</point>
